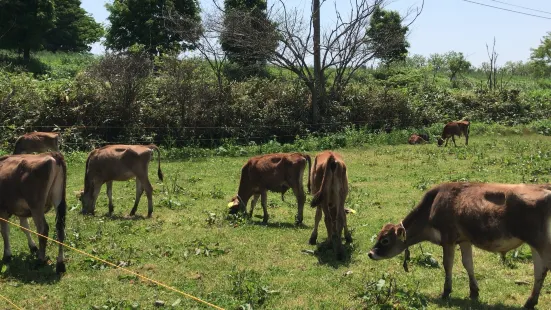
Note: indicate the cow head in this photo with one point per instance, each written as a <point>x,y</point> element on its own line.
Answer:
<point>440,141</point>
<point>235,205</point>
<point>87,201</point>
<point>391,241</point>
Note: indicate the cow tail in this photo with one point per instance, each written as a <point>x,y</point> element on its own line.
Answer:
<point>330,166</point>
<point>61,209</point>
<point>309,160</point>
<point>159,171</point>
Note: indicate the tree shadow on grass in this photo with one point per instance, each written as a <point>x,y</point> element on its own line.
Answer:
<point>326,256</point>
<point>27,269</point>
<point>467,303</point>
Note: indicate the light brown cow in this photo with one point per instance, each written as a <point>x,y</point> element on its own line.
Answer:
<point>493,217</point>
<point>38,142</point>
<point>272,172</point>
<point>453,129</point>
<point>330,185</point>
<point>118,163</point>
<point>416,139</point>
<point>29,186</point>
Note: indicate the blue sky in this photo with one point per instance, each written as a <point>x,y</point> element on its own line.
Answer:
<point>444,25</point>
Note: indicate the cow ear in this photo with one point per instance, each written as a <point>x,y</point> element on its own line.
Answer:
<point>401,233</point>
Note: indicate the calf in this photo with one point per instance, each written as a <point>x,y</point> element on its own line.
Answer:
<point>38,142</point>
<point>330,185</point>
<point>493,217</point>
<point>272,172</point>
<point>416,139</point>
<point>455,129</point>
<point>29,186</point>
<point>119,163</point>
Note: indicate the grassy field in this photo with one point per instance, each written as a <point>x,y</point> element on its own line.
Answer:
<point>191,243</point>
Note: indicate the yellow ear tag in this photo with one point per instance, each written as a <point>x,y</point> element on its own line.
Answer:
<point>230,205</point>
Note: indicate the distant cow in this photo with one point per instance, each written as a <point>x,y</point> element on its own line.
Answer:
<point>493,217</point>
<point>272,172</point>
<point>417,139</point>
<point>330,185</point>
<point>458,129</point>
<point>119,163</point>
<point>38,142</point>
<point>29,186</point>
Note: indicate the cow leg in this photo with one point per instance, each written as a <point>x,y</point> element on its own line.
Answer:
<point>448,138</point>
<point>314,236</point>
<point>337,233</point>
<point>301,199</point>
<point>467,139</point>
<point>449,252</point>
<point>24,222</point>
<point>453,140</point>
<point>149,193</point>
<point>61,213</point>
<point>540,271</point>
<point>139,192</point>
<point>6,237</point>
<point>253,204</point>
<point>109,192</point>
<point>43,229</point>
<point>467,260</point>
<point>264,201</point>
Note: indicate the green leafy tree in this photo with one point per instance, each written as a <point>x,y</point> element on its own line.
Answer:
<point>248,36</point>
<point>541,57</point>
<point>388,36</point>
<point>142,22</point>
<point>457,63</point>
<point>437,62</point>
<point>74,29</point>
<point>24,23</point>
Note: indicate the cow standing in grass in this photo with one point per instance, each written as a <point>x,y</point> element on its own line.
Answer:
<point>272,172</point>
<point>119,163</point>
<point>493,217</point>
<point>29,186</point>
<point>37,142</point>
<point>330,185</point>
<point>453,129</point>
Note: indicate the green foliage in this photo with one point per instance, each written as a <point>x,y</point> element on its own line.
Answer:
<point>457,64</point>
<point>388,36</point>
<point>142,22</point>
<point>74,29</point>
<point>541,57</point>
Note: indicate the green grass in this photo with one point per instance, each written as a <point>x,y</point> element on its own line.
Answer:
<point>191,243</point>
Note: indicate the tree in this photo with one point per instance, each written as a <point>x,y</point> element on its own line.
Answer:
<point>437,62</point>
<point>247,18</point>
<point>74,29</point>
<point>457,64</point>
<point>541,57</point>
<point>142,22</point>
<point>23,24</point>
<point>386,31</point>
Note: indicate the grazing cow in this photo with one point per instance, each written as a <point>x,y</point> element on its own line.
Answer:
<point>29,186</point>
<point>38,142</point>
<point>493,217</point>
<point>458,129</point>
<point>416,139</point>
<point>272,172</point>
<point>118,163</point>
<point>330,185</point>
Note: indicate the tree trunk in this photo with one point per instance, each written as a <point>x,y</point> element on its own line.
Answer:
<point>317,98</point>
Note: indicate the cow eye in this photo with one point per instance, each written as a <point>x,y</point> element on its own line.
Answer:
<point>385,241</point>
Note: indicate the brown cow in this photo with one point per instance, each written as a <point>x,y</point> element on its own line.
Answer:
<point>330,185</point>
<point>38,142</point>
<point>272,172</point>
<point>118,163</point>
<point>416,139</point>
<point>493,217</point>
<point>29,186</point>
<point>458,129</point>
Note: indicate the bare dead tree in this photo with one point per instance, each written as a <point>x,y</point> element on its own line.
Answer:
<point>492,70</point>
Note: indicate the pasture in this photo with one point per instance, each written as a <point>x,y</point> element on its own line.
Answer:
<point>192,244</point>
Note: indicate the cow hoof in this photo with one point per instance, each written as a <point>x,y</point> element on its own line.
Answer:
<point>348,238</point>
<point>446,294</point>
<point>530,304</point>
<point>313,240</point>
<point>6,259</point>
<point>298,223</point>
<point>340,255</point>
<point>149,215</point>
<point>60,267</point>
<point>473,295</point>
<point>34,250</point>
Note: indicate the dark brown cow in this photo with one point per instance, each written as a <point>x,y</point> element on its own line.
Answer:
<point>272,172</point>
<point>416,139</point>
<point>330,185</point>
<point>453,129</point>
<point>38,142</point>
<point>119,163</point>
<point>29,186</point>
<point>493,217</point>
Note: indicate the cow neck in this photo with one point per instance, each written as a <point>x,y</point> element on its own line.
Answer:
<point>415,223</point>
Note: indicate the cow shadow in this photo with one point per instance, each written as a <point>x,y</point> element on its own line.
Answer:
<point>119,217</point>
<point>326,256</point>
<point>279,224</point>
<point>27,269</point>
<point>467,303</point>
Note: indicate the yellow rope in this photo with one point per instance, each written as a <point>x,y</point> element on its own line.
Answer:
<point>116,266</point>
<point>11,303</point>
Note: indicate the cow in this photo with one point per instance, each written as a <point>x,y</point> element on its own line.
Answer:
<point>416,139</point>
<point>330,185</point>
<point>118,163</point>
<point>458,129</point>
<point>38,142</point>
<point>493,217</point>
<point>271,172</point>
<point>29,186</point>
